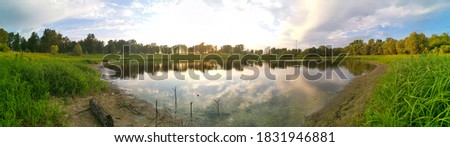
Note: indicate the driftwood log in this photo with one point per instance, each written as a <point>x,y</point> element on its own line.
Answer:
<point>100,113</point>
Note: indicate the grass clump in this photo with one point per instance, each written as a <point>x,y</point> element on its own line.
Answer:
<point>414,92</point>
<point>27,86</point>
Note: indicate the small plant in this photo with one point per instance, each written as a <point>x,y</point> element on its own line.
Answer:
<point>77,50</point>
<point>54,49</point>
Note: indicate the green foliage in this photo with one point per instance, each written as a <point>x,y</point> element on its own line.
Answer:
<point>77,50</point>
<point>16,42</point>
<point>444,49</point>
<point>3,36</point>
<point>416,43</point>
<point>92,45</point>
<point>4,47</point>
<point>415,92</point>
<point>54,49</point>
<point>50,37</point>
<point>435,41</point>
<point>28,84</point>
<point>33,42</point>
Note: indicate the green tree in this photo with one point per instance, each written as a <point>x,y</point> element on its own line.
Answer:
<point>33,42</point>
<point>92,45</point>
<point>4,47</point>
<point>355,48</point>
<point>77,50</point>
<point>54,49</point>
<point>378,50</point>
<point>49,38</point>
<point>16,42</point>
<point>3,36</point>
<point>389,46</point>
<point>416,43</point>
<point>111,46</point>
<point>66,45</point>
<point>226,49</point>
<point>400,47</point>
<point>238,48</point>
<point>444,49</point>
<point>435,41</point>
<point>23,44</point>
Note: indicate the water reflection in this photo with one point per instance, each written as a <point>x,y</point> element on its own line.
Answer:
<point>258,102</point>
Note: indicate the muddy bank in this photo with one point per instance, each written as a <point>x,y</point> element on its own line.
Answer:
<point>126,110</point>
<point>348,106</point>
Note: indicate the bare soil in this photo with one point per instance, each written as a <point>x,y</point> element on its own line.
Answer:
<point>126,110</point>
<point>348,107</point>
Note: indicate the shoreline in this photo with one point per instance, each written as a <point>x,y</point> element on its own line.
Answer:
<point>125,109</point>
<point>348,106</point>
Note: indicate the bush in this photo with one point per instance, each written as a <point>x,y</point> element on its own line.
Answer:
<point>54,49</point>
<point>4,47</point>
<point>77,50</point>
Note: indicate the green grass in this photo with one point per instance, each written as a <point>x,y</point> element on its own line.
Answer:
<point>27,81</point>
<point>414,92</point>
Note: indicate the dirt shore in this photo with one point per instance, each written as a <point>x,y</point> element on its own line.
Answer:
<point>347,108</point>
<point>126,110</point>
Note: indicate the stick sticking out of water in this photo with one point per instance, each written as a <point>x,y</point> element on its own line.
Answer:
<point>218,107</point>
<point>156,110</point>
<point>191,111</point>
<point>175,91</point>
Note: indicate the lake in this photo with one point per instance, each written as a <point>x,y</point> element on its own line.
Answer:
<point>253,94</point>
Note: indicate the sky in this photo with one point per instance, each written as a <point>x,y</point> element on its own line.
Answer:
<point>255,23</point>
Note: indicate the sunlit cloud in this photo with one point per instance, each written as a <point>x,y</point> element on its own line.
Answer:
<point>255,23</point>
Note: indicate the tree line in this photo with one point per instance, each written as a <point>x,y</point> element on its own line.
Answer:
<point>54,42</point>
<point>415,43</point>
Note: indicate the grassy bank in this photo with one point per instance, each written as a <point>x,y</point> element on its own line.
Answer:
<point>414,92</point>
<point>29,80</point>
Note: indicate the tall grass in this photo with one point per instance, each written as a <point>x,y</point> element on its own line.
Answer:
<point>414,92</point>
<point>27,84</point>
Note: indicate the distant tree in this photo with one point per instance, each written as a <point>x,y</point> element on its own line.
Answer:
<point>77,50</point>
<point>11,39</point>
<point>226,49</point>
<point>389,46</point>
<point>3,36</point>
<point>416,43</point>
<point>238,48</point>
<point>66,45</point>
<point>4,47</point>
<point>49,38</point>
<point>355,48</point>
<point>400,47</point>
<point>111,47</point>
<point>54,49</point>
<point>16,42</point>
<point>92,45</point>
<point>33,42</point>
<point>436,41</point>
<point>378,50</point>
<point>24,44</point>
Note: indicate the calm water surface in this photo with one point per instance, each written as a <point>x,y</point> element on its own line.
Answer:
<point>258,102</point>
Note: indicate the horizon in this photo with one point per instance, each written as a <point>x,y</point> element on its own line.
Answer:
<point>256,24</point>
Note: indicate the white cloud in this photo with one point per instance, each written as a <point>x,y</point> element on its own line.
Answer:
<point>32,14</point>
<point>339,22</point>
<point>255,23</point>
